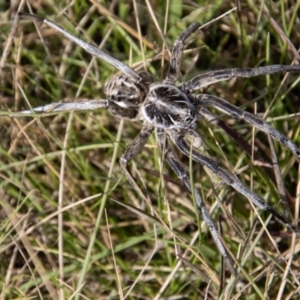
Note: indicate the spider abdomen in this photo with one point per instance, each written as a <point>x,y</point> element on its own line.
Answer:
<point>127,91</point>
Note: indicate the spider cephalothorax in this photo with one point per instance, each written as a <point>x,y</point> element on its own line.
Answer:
<point>173,111</point>
<point>168,107</point>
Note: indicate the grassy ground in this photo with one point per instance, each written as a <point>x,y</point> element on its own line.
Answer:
<point>71,224</point>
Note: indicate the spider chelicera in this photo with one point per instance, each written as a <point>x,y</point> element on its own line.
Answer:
<point>173,111</point>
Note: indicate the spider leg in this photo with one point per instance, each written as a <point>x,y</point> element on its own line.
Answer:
<point>228,178</point>
<point>86,46</point>
<point>130,113</point>
<point>239,140</point>
<point>87,104</point>
<point>217,121</point>
<point>177,52</point>
<point>212,77</point>
<point>179,170</point>
<point>133,149</point>
<point>238,113</point>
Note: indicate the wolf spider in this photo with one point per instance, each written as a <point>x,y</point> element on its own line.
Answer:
<point>173,111</point>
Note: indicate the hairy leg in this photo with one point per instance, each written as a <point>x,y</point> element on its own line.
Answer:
<point>80,105</point>
<point>179,170</point>
<point>212,77</point>
<point>229,179</point>
<point>133,149</point>
<point>238,113</point>
<point>177,52</point>
<point>86,46</point>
